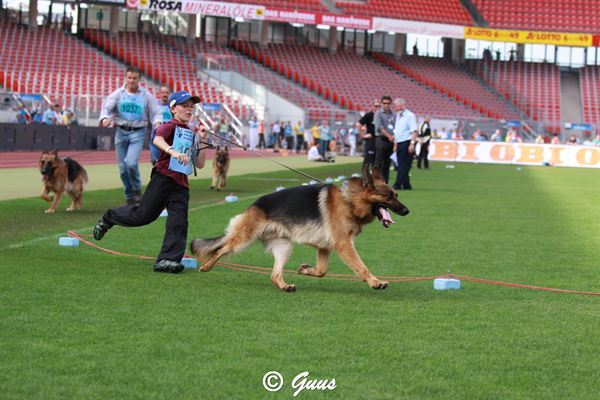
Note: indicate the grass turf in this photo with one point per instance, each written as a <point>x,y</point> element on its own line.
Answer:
<point>77,323</point>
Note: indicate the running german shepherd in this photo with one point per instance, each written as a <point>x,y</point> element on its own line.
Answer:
<point>220,168</point>
<point>323,216</point>
<point>62,174</point>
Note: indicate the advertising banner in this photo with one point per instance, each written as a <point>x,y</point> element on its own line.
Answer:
<point>515,153</point>
<point>213,8</point>
<point>419,28</point>
<point>530,37</point>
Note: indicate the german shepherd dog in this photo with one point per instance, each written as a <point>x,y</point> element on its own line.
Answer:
<point>323,216</point>
<point>220,168</point>
<point>62,174</point>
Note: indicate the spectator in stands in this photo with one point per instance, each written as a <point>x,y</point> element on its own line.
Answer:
<point>325,138</point>
<point>384,121</point>
<point>299,133</point>
<point>487,54</point>
<point>457,135</point>
<point>130,108</point>
<point>261,135</point>
<point>443,134</point>
<point>415,50</point>
<point>498,55</point>
<point>596,141</point>
<point>224,136</point>
<point>497,136</point>
<point>539,139</point>
<point>340,138</point>
<point>573,140</point>
<point>51,115</point>
<point>513,137</point>
<point>424,140</point>
<point>482,137</point>
<point>23,115</point>
<point>368,135</point>
<point>253,131</point>
<point>405,137</point>
<point>555,139</point>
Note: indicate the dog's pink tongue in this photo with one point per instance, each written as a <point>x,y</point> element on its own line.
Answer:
<point>386,218</point>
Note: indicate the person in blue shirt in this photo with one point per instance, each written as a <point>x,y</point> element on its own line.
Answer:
<point>324,139</point>
<point>405,137</point>
<point>289,136</point>
<point>163,103</point>
<point>49,117</point>
<point>131,109</point>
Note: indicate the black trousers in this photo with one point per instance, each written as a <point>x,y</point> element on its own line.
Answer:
<point>404,164</point>
<point>423,156</point>
<point>161,192</point>
<point>383,150</point>
<point>261,141</point>
<point>369,152</point>
<point>299,143</point>
<point>289,143</point>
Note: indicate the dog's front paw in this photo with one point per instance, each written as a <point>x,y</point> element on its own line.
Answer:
<point>379,285</point>
<point>289,288</point>
<point>49,211</point>
<point>204,268</point>
<point>70,209</point>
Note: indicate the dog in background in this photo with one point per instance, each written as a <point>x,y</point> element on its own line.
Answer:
<point>62,174</point>
<point>220,168</point>
<point>323,216</point>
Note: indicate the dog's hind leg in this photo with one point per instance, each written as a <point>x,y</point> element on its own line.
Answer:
<point>281,250</point>
<point>349,255</point>
<point>73,205</point>
<point>321,268</point>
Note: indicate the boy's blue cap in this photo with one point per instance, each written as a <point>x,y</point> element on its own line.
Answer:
<point>181,97</point>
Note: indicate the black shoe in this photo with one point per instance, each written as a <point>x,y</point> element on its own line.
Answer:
<point>100,229</point>
<point>134,201</point>
<point>169,266</point>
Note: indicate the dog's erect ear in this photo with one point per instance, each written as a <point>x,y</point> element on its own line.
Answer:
<point>376,174</point>
<point>218,148</point>
<point>367,179</point>
<point>226,149</point>
<point>55,152</point>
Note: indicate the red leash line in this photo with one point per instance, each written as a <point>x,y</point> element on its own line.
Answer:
<point>348,277</point>
<point>519,285</point>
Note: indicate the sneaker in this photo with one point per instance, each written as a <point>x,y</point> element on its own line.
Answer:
<point>169,266</point>
<point>100,229</point>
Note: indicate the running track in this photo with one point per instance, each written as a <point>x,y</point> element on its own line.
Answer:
<point>95,157</point>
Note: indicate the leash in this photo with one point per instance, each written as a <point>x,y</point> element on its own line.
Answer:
<point>262,156</point>
<point>343,277</point>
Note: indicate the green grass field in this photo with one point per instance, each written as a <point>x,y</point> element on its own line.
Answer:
<point>78,323</point>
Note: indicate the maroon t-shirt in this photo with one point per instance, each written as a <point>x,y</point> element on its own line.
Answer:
<point>166,131</point>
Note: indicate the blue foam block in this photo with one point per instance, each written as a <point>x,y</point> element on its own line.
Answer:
<point>68,241</point>
<point>189,262</point>
<point>164,213</point>
<point>446,284</point>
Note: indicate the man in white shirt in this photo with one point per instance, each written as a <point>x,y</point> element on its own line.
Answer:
<point>405,137</point>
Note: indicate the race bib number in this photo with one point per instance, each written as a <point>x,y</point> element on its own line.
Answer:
<point>183,142</point>
<point>131,107</point>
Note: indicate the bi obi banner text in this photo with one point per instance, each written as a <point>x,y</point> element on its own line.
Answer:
<point>515,153</point>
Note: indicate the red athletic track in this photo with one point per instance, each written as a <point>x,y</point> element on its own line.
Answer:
<point>94,157</point>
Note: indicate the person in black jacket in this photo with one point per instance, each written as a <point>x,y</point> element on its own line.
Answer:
<point>424,139</point>
<point>368,137</point>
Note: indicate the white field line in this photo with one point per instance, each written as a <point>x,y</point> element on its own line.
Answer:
<point>89,228</point>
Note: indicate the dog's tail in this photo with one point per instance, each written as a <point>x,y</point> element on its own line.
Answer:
<point>206,248</point>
